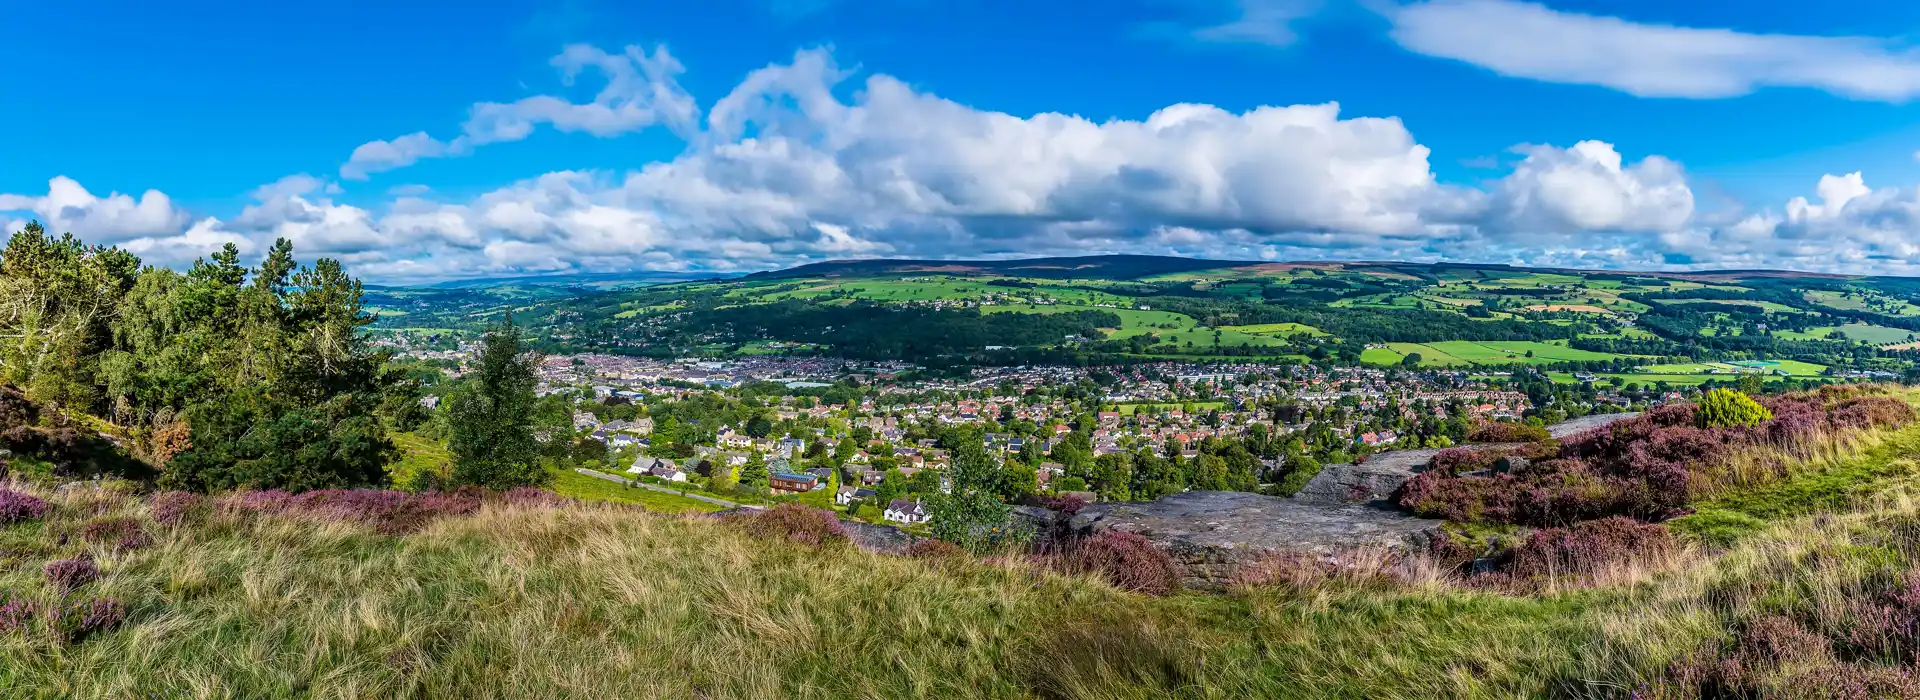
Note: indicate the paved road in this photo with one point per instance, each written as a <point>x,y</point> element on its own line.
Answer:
<point>662,489</point>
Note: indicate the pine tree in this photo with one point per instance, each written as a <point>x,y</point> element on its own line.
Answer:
<point>492,418</point>
<point>755,475</point>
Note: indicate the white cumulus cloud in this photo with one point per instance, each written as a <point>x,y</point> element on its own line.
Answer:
<point>1530,40</point>
<point>642,90</point>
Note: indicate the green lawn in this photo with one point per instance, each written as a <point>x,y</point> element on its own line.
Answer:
<point>1128,409</point>
<point>571,484</point>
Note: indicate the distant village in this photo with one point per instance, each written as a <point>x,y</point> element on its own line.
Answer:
<point>1022,412</point>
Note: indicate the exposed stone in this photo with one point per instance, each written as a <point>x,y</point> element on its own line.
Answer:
<point>1375,480</point>
<point>1211,534</point>
<point>878,538</point>
<point>1372,481</point>
<point>1575,426</point>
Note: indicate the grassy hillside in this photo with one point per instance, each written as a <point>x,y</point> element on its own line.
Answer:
<point>1797,575</point>
<point>531,599</point>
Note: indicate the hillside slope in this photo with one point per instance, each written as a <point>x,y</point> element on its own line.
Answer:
<point>249,596</point>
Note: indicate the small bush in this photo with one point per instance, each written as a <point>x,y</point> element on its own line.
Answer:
<point>172,508</point>
<point>1726,408</point>
<point>1461,460</point>
<point>119,534</point>
<point>18,615</point>
<point>68,574</point>
<point>1507,431</point>
<point>1589,548</point>
<point>812,527</point>
<point>1124,559</point>
<point>16,507</point>
<point>82,620</point>
<point>934,549</point>
<point>530,497</point>
<point>1066,505</point>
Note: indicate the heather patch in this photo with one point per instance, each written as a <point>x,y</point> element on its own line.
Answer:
<point>1650,467</point>
<point>387,512</point>
<point>1124,559</point>
<point>64,575</point>
<point>16,507</point>
<point>812,527</point>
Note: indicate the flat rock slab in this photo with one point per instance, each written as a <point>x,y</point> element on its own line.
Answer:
<point>1568,428</point>
<point>1211,534</point>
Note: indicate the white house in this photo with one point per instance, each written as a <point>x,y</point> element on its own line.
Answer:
<point>650,465</point>
<point>905,511</point>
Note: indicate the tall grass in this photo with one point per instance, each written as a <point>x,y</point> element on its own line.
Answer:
<point>531,598</point>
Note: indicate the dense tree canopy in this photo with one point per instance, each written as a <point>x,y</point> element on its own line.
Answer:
<point>226,376</point>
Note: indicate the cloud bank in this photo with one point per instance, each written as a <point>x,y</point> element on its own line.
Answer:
<point>800,162</point>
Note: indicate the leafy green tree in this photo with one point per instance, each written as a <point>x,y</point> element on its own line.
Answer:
<point>492,417</point>
<point>57,298</point>
<point>970,513</point>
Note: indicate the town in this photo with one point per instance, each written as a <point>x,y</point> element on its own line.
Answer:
<point>873,439</point>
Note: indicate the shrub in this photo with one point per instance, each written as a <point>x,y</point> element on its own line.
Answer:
<point>1124,559</point>
<point>1066,505</point>
<point>16,507</point>
<point>120,534</point>
<point>171,508</point>
<point>16,409</point>
<point>530,497</point>
<point>812,527</point>
<point>1589,548</point>
<point>1727,408</point>
<point>67,574</point>
<point>82,620</point>
<point>17,615</point>
<point>1506,431</point>
<point>934,549</point>
<point>1871,412</point>
<point>1460,460</point>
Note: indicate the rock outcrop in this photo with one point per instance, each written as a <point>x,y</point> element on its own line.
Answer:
<point>1211,534</point>
<point>1375,480</point>
<point>1575,426</point>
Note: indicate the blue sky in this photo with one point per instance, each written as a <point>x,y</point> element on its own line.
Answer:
<point>431,140</point>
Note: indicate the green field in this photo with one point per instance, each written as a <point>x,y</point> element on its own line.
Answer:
<point>1839,300</point>
<point>1792,367</point>
<point>1178,329</point>
<point>1678,380</point>
<point>1276,329</point>
<point>1859,332</point>
<point>1455,353</point>
<point>1381,356</point>
<point>1767,305</point>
